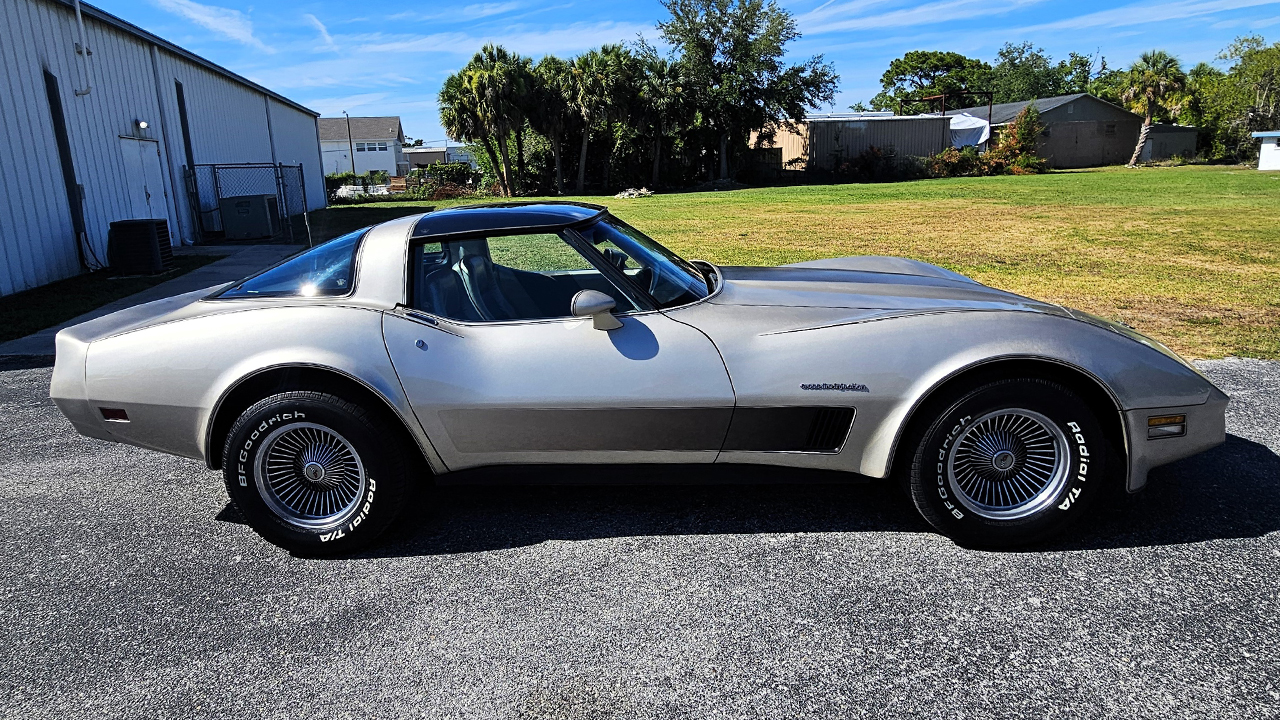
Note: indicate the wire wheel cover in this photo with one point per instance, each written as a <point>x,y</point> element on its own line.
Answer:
<point>310,475</point>
<point>1008,464</point>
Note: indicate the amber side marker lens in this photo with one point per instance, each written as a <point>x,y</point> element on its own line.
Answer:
<point>114,415</point>
<point>1163,426</point>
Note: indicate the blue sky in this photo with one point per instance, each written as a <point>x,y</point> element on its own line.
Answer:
<point>390,58</point>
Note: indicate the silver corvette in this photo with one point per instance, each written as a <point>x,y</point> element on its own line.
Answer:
<point>326,386</point>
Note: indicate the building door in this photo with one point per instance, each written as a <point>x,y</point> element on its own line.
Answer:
<point>144,179</point>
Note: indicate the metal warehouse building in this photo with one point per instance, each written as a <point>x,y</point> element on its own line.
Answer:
<point>825,141</point>
<point>104,121</point>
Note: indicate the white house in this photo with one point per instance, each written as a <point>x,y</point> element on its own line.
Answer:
<point>101,122</point>
<point>1269,154</point>
<point>376,142</point>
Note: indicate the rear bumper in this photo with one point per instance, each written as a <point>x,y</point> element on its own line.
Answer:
<point>68,388</point>
<point>1206,428</point>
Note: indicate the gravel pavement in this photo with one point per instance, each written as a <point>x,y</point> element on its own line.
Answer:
<point>129,589</point>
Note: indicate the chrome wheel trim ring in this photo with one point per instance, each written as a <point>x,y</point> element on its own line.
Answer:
<point>1008,464</point>
<point>310,476</point>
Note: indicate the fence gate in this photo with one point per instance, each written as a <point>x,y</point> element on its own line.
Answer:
<point>262,202</point>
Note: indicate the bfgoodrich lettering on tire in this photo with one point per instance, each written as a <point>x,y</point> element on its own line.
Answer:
<point>1009,463</point>
<point>313,473</point>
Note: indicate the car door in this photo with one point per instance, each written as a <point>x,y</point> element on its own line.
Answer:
<point>498,371</point>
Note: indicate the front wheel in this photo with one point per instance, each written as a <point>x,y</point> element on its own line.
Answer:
<point>313,473</point>
<point>1009,463</point>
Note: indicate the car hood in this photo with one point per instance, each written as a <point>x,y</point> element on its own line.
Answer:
<point>907,289</point>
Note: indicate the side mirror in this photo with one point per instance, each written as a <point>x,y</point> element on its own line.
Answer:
<point>597,305</point>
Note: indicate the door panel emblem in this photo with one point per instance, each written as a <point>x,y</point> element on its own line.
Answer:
<point>838,387</point>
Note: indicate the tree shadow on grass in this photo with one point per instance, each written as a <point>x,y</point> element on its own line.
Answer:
<point>1230,492</point>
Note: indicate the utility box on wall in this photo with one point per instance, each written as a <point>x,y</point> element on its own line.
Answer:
<point>249,217</point>
<point>1269,153</point>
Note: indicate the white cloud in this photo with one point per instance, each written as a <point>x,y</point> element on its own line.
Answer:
<point>565,39</point>
<point>324,31</point>
<point>334,106</point>
<point>232,24</point>
<point>849,15</point>
<point>1146,13</point>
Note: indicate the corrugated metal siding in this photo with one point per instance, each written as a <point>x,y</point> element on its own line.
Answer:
<point>833,142</point>
<point>228,123</point>
<point>298,144</point>
<point>824,144</point>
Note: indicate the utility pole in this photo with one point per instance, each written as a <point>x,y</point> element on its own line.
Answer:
<point>351,147</point>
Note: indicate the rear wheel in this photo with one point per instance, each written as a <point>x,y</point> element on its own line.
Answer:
<point>1009,463</point>
<point>313,473</point>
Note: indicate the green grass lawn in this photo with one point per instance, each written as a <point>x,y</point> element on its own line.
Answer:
<point>1189,255</point>
<point>26,312</point>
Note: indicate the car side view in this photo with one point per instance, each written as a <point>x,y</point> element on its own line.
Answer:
<point>325,387</point>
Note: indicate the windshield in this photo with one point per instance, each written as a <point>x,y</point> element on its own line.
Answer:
<point>669,278</point>
<point>323,271</point>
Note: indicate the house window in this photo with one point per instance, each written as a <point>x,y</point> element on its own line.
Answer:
<point>1109,130</point>
<point>1071,107</point>
<point>359,147</point>
<point>382,147</point>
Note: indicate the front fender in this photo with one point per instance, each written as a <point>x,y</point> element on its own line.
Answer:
<point>901,359</point>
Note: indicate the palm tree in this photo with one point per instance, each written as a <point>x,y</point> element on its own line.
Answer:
<point>460,116</point>
<point>1153,86</point>
<point>550,113</point>
<point>497,79</point>
<point>661,105</point>
<point>588,91</point>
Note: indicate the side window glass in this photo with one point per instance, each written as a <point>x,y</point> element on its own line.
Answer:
<point>325,270</point>
<point>503,278</point>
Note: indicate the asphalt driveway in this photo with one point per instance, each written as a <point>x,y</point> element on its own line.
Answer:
<point>128,589</point>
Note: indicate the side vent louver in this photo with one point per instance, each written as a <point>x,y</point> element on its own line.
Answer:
<point>828,429</point>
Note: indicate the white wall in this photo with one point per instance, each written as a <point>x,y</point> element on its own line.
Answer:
<point>337,157</point>
<point>1269,154</point>
<point>132,79</point>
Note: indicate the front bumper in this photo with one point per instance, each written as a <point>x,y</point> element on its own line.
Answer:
<point>1206,428</point>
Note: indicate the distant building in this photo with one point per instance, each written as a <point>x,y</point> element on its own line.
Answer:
<point>1269,154</point>
<point>1084,131</point>
<point>378,144</point>
<point>823,142</point>
<point>420,157</point>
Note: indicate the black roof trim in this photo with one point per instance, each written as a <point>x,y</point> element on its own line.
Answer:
<point>504,217</point>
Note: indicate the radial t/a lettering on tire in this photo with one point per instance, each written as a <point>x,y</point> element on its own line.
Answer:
<point>1009,463</point>
<point>313,473</point>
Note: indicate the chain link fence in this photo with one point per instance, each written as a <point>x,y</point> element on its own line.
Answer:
<point>262,202</point>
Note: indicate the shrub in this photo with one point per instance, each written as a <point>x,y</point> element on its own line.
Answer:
<point>1014,152</point>
<point>877,165</point>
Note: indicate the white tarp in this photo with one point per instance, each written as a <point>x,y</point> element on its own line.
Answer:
<point>969,130</point>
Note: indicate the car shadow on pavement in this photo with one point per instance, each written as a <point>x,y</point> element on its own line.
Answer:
<point>1230,492</point>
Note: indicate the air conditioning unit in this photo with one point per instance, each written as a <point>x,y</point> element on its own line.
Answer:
<point>249,217</point>
<point>139,247</point>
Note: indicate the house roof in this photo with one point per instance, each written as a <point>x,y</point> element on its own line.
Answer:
<point>107,18</point>
<point>1005,112</point>
<point>362,128</point>
<point>1267,133</point>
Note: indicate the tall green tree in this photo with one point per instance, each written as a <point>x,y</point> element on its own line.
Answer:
<point>662,108</point>
<point>551,113</point>
<point>733,50</point>
<point>1153,88</point>
<point>595,89</point>
<point>921,73</point>
<point>497,78</point>
<point>461,118</point>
